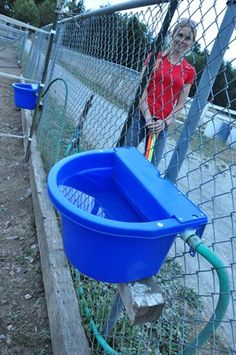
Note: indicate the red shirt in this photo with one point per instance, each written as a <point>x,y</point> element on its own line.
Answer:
<point>165,85</point>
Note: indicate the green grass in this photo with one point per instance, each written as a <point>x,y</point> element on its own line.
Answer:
<point>128,339</point>
<point>176,326</point>
<point>95,87</point>
<point>55,132</point>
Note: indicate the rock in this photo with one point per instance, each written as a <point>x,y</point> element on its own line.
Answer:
<point>26,195</point>
<point>28,296</point>
<point>7,224</point>
<point>14,237</point>
<point>29,259</point>
<point>8,340</point>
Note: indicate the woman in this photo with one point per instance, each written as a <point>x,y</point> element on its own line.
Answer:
<point>166,91</point>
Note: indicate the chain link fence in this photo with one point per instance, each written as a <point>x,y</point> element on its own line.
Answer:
<point>98,58</point>
<point>14,39</point>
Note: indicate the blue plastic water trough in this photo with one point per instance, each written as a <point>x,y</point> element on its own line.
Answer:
<point>119,217</point>
<point>25,95</point>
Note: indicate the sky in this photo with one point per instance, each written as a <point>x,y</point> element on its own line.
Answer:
<point>207,13</point>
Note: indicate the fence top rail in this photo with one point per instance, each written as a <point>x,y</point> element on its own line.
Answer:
<point>4,27</point>
<point>224,110</point>
<point>21,24</point>
<point>108,10</point>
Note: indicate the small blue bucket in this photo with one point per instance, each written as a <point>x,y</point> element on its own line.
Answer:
<point>119,217</point>
<point>25,95</point>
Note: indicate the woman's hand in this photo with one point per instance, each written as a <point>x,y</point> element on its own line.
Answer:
<point>155,126</point>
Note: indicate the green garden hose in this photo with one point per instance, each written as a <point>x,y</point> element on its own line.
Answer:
<point>66,88</point>
<point>224,292</point>
<point>87,312</point>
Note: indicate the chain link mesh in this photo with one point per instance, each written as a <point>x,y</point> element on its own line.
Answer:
<point>13,39</point>
<point>99,60</point>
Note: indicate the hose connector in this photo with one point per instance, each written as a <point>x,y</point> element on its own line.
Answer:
<point>190,237</point>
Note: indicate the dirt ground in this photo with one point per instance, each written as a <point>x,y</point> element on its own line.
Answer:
<point>24,325</point>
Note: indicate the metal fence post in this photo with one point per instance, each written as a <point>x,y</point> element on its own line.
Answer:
<point>113,315</point>
<point>204,88</point>
<point>44,76</point>
<point>22,49</point>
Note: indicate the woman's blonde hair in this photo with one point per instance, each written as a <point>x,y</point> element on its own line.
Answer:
<point>180,24</point>
<point>184,22</point>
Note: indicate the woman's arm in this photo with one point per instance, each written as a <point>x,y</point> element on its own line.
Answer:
<point>179,105</point>
<point>143,103</point>
<point>159,125</point>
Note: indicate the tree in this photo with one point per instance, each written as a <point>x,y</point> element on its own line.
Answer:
<point>38,2</point>
<point>224,88</point>
<point>47,12</point>
<point>77,7</point>
<point>6,7</point>
<point>115,38</point>
<point>198,59</point>
<point>47,9</point>
<point>133,40</point>
<point>26,11</point>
